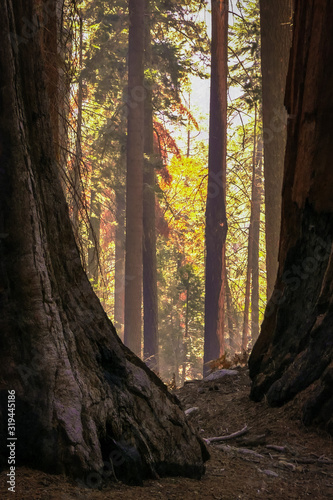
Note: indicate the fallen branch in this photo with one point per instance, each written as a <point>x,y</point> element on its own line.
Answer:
<point>226,438</point>
<point>252,440</point>
<point>191,410</point>
<point>243,451</point>
<point>269,472</point>
<point>319,460</point>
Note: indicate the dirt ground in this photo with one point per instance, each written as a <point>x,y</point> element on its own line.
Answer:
<point>276,458</point>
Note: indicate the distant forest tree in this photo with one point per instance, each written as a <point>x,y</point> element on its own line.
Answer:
<point>275,21</point>
<point>134,177</point>
<point>216,220</point>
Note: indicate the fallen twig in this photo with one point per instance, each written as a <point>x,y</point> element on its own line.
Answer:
<point>252,440</point>
<point>269,472</point>
<point>243,451</point>
<point>321,461</point>
<point>226,438</point>
<point>191,410</point>
<point>276,448</point>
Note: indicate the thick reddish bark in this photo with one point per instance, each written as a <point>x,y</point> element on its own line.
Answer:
<point>216,222</point>
<point>294,353</point>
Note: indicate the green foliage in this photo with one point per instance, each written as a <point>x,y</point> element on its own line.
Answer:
<point>244,53</point>
<point>181,268</point>
<point>240,160</point>
<point>180,49</point>
<point>245,78</point>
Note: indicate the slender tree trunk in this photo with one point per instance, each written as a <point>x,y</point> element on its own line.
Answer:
<point>275,18</point>
<point>216,222</point>
<point>245,333</point>
<point>150,302</point>
<point>185,333</point>
<point>250,245</point>
<point>294,352</point>
<point>119,267</point>
<point>76,178</point>
<point>256,202</point>
<point>188,150</point>
<point>175,349</point>
<point>175,330</point>
<point>230,317</point>
<point>51,61</point>
<point>64,88</point>
<point>134,178</point>
<point>94,237</point>
<point>81,395</point>
<point>179,347</point>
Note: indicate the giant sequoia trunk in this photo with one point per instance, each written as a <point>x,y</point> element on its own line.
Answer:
<point>81,396</point>
<point>294,352</point>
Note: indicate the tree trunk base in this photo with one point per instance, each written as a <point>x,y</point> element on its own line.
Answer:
<point>102,411</point>
<point>294,353</point>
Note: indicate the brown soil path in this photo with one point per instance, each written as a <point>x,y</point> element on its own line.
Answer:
<point>302,466</point>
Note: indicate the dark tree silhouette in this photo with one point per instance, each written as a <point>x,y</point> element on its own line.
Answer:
<point>216,222</point>
<point>150,299</point>
<point>134,177</point>
<point>293,356</point>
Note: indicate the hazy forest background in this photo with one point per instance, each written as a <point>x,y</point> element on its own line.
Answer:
<point>176,77</point>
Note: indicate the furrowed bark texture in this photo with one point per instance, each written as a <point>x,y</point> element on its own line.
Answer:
<point>80,393</point>
<point>216,222</point>
<point>294,352</point>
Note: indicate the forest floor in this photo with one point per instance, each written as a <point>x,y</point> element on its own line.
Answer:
<point>277,458</point>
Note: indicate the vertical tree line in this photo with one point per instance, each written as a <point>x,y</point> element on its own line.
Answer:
<point>150,301</point>
<point>216,222</point>
<point>275,20</point>
<point>134,177</point>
